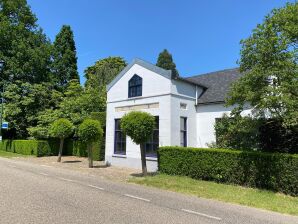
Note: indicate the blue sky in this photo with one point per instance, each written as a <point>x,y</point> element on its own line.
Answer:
<point>203,36</point>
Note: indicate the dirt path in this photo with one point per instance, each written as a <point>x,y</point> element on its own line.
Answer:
<point>80,164</point>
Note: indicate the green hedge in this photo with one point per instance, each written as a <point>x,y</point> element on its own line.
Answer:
<point>26,147</point>
<point>273,171</point>
<point>75,148</point>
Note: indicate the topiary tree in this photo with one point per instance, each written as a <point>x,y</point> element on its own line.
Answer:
<point>90,131</point>
<point>61,128</point>
<point>139,127</point>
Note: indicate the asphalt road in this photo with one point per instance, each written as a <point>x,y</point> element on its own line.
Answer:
<point>31,193</point>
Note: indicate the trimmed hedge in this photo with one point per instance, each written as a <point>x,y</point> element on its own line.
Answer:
<point>273,171</point>
<point>75,148</point>
<point>26,147</point>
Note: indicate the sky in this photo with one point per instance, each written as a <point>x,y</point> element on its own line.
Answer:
<point>202,36</point>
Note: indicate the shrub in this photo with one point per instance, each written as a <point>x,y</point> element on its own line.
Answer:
<point>90,131</point>
<point>61,128</point>
<point>26,147</point>
<point>267,135</point>
<point>139,127</point>
<point>273,171</point>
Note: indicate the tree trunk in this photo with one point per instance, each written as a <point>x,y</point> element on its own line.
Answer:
<point>90,157</point>
<point>143,158</point>
<point>60,149</point>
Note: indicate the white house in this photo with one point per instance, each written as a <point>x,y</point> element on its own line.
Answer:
<point>185,110</point>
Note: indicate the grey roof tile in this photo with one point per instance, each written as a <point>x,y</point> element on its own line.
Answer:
<point>217,84</point>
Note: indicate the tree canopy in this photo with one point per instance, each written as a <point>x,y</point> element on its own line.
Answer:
<point>269,61</point>
<point>64,57</point>
<point>103,72</point>
<point>165,60</point>
<point>23,46</point>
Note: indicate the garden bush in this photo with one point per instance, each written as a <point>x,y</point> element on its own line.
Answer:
<point>26,147</point>
<point>76,148</point>
<point>273,171</point>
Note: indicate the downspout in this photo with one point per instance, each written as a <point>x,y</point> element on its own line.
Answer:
<point>196,95</point>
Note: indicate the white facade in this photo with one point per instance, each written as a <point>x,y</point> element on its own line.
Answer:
<point>162,96</point>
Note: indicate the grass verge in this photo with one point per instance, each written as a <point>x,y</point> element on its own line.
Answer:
<point>223,192</point>
<point>10,154</point>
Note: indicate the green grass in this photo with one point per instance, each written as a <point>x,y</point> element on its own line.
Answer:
<point>228,193</point>
<point>10,154</point>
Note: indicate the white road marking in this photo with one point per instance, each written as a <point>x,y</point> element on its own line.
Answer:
<point>201,214</point>
<point>135,197</point>
<point>99,188</point>
<point>46,166</point>
<point>69,180</point>
<point>44,174</point>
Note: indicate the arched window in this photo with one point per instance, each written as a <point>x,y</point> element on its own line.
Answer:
<point>135,86</point>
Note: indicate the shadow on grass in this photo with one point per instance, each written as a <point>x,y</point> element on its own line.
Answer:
<point>141,174</point>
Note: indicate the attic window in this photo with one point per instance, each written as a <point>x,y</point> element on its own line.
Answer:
<point>135,86</point>
<point>183,106</point>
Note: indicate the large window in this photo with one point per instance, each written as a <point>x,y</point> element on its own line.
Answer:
<point>120,139</point>
<point>152,145</point>
<point>135,86</point>
<point>183,131</point>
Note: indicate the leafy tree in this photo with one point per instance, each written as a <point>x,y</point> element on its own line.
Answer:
<point>90,131</point>
<point>139,127</point>
<point>23,46</point>
<point>23,102</point>
<point>165,60</point>
<point>61,128</point>
<point>237,132</point>
<point>76,104</point>
<point>269,61</point>
<point>65,59</point>
<point>103,72</point>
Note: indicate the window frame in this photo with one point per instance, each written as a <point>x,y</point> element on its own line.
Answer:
<point>122,140</point>
<point>183,130</point>
<point>135,89</point>
<point>151,141</point>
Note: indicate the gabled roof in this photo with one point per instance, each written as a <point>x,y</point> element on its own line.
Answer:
<point>151,67</point>
<point>144,64</point>
<point>217,84</point>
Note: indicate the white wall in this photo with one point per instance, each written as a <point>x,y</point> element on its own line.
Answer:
<point>153,84</point>
<point>206,115</point>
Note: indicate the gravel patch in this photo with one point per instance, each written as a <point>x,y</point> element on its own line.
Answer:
<point>80,164</point>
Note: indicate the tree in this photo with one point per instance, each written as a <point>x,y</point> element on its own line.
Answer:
<point>103,72</point>
<point>64,57</point>
<point>23,102</point>
<point>90,131</point>
<point>269,61</point>
<point>165,61</point>
<point>139,127</point>
<point>61,128</point>
<point>23,46</point>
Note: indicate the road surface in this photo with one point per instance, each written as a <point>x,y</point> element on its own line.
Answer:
<point>32,193</point>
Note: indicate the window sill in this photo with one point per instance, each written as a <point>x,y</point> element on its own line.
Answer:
<point>119,156</point>
<point>151,158</point>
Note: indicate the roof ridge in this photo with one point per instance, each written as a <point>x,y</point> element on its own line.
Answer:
<point>215,72</point>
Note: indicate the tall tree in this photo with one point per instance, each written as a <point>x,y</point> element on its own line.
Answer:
<point>269,60</point>
<point>165,60</point>
<point>23,46</point>
<point>64,57</point>
<point>103,72</point>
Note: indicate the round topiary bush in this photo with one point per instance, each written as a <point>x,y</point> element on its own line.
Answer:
<point>90,131</point>
<point>61,128</point>
<point>139,127</point>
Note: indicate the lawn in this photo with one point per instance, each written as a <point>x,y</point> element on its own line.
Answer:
<point>10,154</point>
<point>223,192</point>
